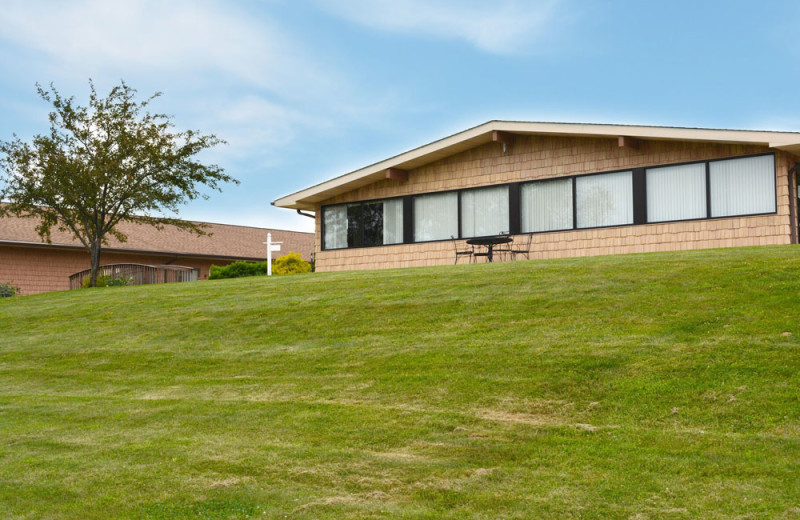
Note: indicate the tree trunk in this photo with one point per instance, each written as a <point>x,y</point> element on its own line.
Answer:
<point>95,267</point>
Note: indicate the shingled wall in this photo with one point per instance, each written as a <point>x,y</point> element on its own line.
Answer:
<point>540,157</point>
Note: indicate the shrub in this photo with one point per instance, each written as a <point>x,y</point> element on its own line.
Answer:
<point>237,270</point>
<point>105,281</point>
<point>7,290</point>
<point>291,263</point>
<point>102,281</point>
<point>120,281</point>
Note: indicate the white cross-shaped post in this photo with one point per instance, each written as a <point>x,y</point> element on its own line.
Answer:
<point>271,246</point>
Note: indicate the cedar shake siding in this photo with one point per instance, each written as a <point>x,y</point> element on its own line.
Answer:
<point>37,267</point>
<point>538,157</point>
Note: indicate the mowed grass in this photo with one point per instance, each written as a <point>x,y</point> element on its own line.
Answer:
<point>641,386</point>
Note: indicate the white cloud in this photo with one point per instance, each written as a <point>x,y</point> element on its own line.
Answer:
<point>256,128</point>
<point>226,68</point>
<point>499,26</point>
<point>177,38</point>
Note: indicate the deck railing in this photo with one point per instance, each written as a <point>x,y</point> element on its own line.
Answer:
<point>138,274</point>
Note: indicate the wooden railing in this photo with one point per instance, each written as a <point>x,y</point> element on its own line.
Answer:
<point>138,274</point>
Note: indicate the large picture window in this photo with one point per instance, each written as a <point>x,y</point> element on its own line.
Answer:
<point>742,186</point>
<point>546,205</point>
<point>604,200</point>
<point>484,211</point>
<point>371,223</point>
<point>676,192</point>
<point>435,216</point>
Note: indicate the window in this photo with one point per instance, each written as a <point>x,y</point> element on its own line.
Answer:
<point>484,211</point>
<point>676,192</point>
<point>371,223</point>
<point>435,216</point>
<point>334,220</point>
<point>393,221</point>
<point>605,200</point>
<point>354,225</point>
<point>743,186</point>
<point>546,205</point>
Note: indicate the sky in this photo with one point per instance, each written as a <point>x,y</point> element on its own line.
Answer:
<point>306,90</point>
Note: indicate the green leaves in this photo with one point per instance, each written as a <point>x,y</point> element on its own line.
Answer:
<point>103,164</point>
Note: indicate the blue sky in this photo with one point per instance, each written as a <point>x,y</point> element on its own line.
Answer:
<point>307,90</point>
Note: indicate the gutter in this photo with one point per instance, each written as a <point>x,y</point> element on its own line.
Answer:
<point>793,201</point>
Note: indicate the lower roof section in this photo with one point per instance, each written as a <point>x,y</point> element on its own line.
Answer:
<point>57,247</point>
<point>503,132</point>
<point>223,241</point>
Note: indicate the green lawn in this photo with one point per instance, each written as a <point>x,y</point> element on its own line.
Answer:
<point>638,387</point>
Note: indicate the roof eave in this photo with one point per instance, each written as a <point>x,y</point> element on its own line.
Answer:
<point>308,198</point>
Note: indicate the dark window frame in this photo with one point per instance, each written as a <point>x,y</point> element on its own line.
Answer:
<point>413,229</point>
<point>508,185</point>
<point>707,163</point>
<point>708,188</point>
<point>361,204</point>
<point>575,200</point>
<point>408,231</point>
<point>774,185</point>
<point>574,189</point>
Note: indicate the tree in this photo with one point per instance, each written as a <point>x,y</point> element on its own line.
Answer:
<point>105,164</point>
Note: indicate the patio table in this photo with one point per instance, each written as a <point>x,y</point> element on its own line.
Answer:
<point>489,243</point>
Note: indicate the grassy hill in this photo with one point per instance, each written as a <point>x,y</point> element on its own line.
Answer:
<point>641,387</point>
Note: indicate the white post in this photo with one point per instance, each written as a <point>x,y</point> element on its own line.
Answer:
<point>271,246</point>
<point>269,254</point>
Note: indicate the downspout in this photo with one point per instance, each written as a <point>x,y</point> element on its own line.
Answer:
<point>313,253</point>
<point>793,236</point>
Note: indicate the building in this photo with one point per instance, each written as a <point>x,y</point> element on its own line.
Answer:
<point>578,189</point>
<point>37,267</point>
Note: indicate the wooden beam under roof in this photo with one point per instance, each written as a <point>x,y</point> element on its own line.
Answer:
<point>628,142</point>
<point>506,138</point>
<point>397,174</point>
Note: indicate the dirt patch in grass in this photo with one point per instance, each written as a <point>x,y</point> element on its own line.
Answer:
<point>401,455</point>
<point>538,420</point>
<point>372,497</point>
<point>519,418</point>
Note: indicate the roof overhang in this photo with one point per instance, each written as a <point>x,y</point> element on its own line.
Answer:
<point>499,130</point>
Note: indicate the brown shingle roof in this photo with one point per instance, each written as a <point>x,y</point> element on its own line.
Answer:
<point>226,241</point>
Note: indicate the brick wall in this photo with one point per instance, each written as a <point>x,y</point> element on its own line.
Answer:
<point>549,157</point>
<point>41,269</point>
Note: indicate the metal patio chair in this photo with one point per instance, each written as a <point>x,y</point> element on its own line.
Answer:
<point>522,247</point>
<point>462,252</point>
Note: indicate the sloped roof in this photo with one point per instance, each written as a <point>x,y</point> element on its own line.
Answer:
<point>472,137</point>
<point>226,241</point>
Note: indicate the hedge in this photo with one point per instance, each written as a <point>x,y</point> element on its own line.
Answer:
<point>291,263</point>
